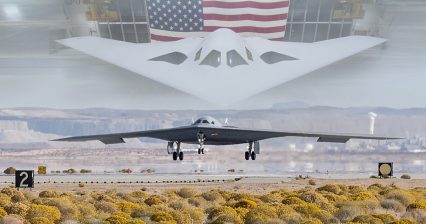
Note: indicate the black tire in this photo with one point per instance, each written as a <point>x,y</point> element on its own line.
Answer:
<point>199,151</point>
<point>253,156</point>
<point>202,151</point>
<point>181,156</point>
<point>247,155</point>
<point>175,155</point>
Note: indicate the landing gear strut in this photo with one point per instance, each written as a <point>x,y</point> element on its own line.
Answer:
<point>178,153</point>
<point>250,153</point>
<point>201,138</point>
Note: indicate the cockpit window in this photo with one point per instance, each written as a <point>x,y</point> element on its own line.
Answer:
<point>198,121</point>
<point>206,122</point>
<point>249,54</point>
<point>234,59</point>
<point>175,58</point>
<point>198,55</point>
<point>212,59</point>
<point>272,57</point>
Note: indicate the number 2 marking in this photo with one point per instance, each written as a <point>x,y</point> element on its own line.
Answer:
<point>22,184</point>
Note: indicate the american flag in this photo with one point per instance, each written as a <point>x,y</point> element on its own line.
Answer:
<point>176,19</point>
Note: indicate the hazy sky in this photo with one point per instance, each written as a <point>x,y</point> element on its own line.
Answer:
<point>33,75</point>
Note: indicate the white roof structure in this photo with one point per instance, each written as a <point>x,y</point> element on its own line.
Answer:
<point>223,67</point>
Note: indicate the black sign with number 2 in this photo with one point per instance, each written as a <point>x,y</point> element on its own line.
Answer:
<point>24,179</point>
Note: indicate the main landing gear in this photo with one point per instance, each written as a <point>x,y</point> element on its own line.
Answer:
<point>251,152</point>
<point>176,152</point>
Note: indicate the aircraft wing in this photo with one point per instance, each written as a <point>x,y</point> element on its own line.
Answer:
<point>248,135</point>
<point>169,134</point>
<point>185,73</point>
<point>230,135</point>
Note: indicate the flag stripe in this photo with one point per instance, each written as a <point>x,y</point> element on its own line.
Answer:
<point>239,17</point>
<point>248,29</point>
<point>245,4</point>
<point>208,23</point>
<point>213,10</point>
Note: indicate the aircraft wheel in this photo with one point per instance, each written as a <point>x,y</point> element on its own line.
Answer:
<point>181,156</point>
<point>253,156</point>
<point>202,151</point>
<point>199,151</point>
<point>247,155</point>
<point>175,155</point>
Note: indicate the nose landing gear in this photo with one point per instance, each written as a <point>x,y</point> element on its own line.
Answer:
<point>201,138</point>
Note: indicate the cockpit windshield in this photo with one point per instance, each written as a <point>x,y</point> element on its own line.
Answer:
<point>212,59</point>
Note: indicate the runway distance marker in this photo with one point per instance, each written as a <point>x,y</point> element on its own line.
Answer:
<point>24,179</point>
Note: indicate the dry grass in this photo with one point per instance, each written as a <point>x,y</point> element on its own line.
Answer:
<point>325,204</point>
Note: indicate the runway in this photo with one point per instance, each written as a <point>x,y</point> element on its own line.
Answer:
<point>158,183</point>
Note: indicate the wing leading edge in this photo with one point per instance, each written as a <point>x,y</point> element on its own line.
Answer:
<point>236,135</point>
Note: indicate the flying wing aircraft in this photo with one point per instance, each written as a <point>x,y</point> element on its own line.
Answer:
<point>212,68</point>
<point>209,131</point>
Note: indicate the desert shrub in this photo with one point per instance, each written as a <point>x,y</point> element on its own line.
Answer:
<point>136,221</point>
<point>331,197</point>
<point>3,213</point>
<point>125,171</point>
<point>386,218</point>
<point>177,204</point>
<point>333,188</point>
<point>81,185</point>
<point>107,207</point>
<point>4,200</point>
<point>18,198</point>
<point>416,205</point>
<point>49,212</point>
<point>139,195</point>
<point>12,219</point>
<point>417,215</point>
<point>392,205</point>
<point>86,210</point>
<point>368,219</point>
<point>49,194</point>
<point>181,217</point>
<point>271,198</point>
<point>127,207</point>
<point>70,171</point>
<point>293,201</point>
<point>117,219</point>
<point>245,203</point>
<point>347,213</point>
<point>311,220</point>
<point>17,209</point>
<point>312,182</point>
<point>405,176</point>
<point>41,220</point>
<point>362,196</point>
<point>153,200</point>
<point>67,208</point>
<point>10,170</point>
<point>186,192</point>
<point>261,214</point>
<point>197,202</point>
<point>224,214</point>
<point>161,216</point>
<point>211,195</point>
<point>196,214</point>
<point>10,191</point>
<point>402,196</point>
<point>85,171</point>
